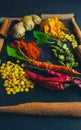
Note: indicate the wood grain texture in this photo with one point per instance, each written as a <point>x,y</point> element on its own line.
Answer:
<point>10,18</point>
<point>72,109</point>
<point>43,17</point>
<point>76,29</point>
<point>60,16</point>
<point>4,30</point>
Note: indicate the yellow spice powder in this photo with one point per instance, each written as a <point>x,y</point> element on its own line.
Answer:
<point>54,27</point>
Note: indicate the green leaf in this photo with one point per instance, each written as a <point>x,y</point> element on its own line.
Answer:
<point>41,37</point>
<point>12,52</point>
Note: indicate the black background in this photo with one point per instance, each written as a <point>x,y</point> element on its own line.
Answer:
<point>20,8</point>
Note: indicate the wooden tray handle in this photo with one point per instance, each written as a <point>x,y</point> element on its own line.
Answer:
<point>44,16</point>
<point>76,29</point>
<point>3,31</point>
<point>72,109</point>
<point>60,16</point>
<point>5,27</point>
<point>10,18</point>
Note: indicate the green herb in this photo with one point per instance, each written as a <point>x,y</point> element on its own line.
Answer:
<point>14,53</point>
<point>41,38</point>
<point>63,54</point>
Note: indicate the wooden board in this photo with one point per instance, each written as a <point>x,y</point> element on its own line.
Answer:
<point>39,94</point>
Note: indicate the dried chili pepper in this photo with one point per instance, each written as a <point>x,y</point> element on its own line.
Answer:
<point>62,78</point>
<point>54,67</point>
<point>54,73</point>
<point>49,83</point>
<point>78,82</point>
<point>76,79</point>
<point>54,83</point>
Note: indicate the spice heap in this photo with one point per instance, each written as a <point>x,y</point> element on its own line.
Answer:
<point>15,79</point>
<point>71,38</point>
<point>30,49</point>
<point>54,27</point>
<point>33,51</point>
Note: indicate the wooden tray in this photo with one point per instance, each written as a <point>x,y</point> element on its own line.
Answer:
<point>40,94</point>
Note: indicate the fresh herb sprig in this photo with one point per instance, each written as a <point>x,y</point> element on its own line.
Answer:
<point>63,54</point>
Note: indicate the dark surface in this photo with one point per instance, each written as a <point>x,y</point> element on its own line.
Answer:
<point>20,8</point>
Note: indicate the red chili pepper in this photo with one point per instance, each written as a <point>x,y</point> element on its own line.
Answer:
<point>78,82</point>
<point>54,73</point>
<point>49,83</point>
<point>57,68</point>
<point>54,83</point>
<point>39,78</point>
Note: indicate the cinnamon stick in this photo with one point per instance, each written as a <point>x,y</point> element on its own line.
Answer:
<point>3,31</point>
<point>72,109</point>
<point>5,27</point>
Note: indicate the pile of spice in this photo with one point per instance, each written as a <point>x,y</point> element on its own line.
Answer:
<point>54,27</point>
<point>33,51</point>
<point>15,79</point>
<point>30,49</point>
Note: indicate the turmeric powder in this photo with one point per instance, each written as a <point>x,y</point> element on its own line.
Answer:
<point>54,27</point>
